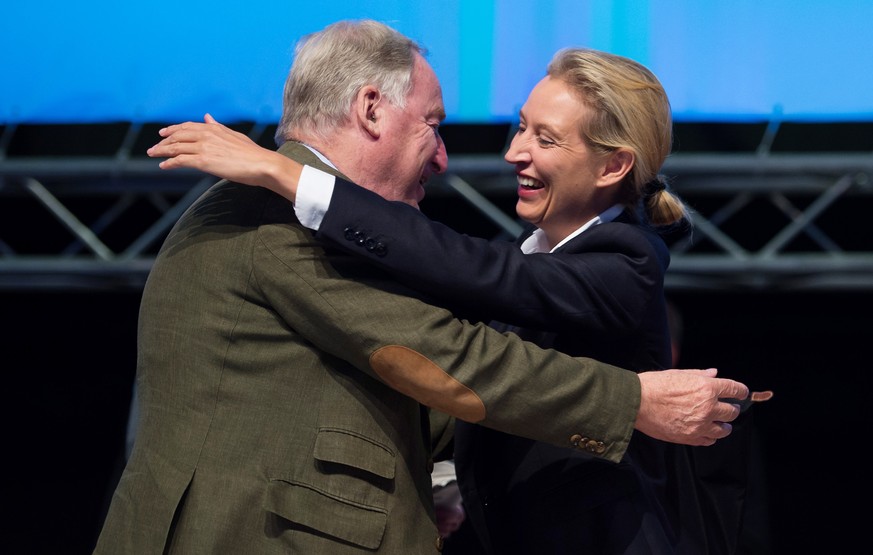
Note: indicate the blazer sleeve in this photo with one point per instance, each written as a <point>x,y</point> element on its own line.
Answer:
<point>604,279</point>
<point>352,311</point>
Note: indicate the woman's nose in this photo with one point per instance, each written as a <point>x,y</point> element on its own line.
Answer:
<point>517,152</point>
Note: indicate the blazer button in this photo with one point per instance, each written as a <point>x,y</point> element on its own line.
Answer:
<point>355,235</point>
<point>375,247</point>
<point>439,543</point>
<point>594,446</point>
<point>576,439</point>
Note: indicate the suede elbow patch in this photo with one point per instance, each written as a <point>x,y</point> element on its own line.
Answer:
<point>413,374</point>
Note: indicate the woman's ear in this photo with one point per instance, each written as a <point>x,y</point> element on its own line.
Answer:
<point>618,164</point>
<point>368,110</point>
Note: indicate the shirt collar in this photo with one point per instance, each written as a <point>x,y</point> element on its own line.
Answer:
<point>537,241</point>
<point>321,156</point>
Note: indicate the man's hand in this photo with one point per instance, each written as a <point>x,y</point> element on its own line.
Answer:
<point>683,406</point>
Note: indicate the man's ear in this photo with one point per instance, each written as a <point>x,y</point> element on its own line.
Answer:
<point>618,165</point>
<point>368,110</point>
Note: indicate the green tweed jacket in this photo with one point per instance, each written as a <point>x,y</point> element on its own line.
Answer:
<point>282,389</point>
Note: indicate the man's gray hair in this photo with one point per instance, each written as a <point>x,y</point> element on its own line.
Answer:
<point>332,65</point>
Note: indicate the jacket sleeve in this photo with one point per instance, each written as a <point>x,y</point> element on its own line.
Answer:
<point>350,310</point>
<point>606,282</point>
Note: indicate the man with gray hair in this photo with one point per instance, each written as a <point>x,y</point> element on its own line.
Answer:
<point>285,389</point>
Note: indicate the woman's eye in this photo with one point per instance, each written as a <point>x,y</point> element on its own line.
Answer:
<point>544,142</point>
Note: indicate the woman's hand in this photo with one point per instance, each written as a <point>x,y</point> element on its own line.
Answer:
<point>213,148</point>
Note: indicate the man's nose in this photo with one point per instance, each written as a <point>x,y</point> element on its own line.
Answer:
<point>440,160</point>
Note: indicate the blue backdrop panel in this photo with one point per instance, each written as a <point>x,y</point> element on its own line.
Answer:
<point>744,60</point>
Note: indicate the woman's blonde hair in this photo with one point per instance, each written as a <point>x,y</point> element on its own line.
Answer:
<point>631,111</point>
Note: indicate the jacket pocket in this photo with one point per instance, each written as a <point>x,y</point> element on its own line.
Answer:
<point>350,449</point>
<point>346,495</point>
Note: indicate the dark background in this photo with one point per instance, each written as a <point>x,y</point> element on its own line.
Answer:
<point>71,357</point>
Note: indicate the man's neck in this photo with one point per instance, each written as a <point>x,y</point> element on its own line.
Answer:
<point>343,152</point>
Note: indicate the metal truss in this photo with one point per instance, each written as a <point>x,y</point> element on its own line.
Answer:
<point>760,220</point>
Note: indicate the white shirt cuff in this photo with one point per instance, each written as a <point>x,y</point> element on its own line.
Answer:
<point>314,191</point>
<point>443,473</point>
